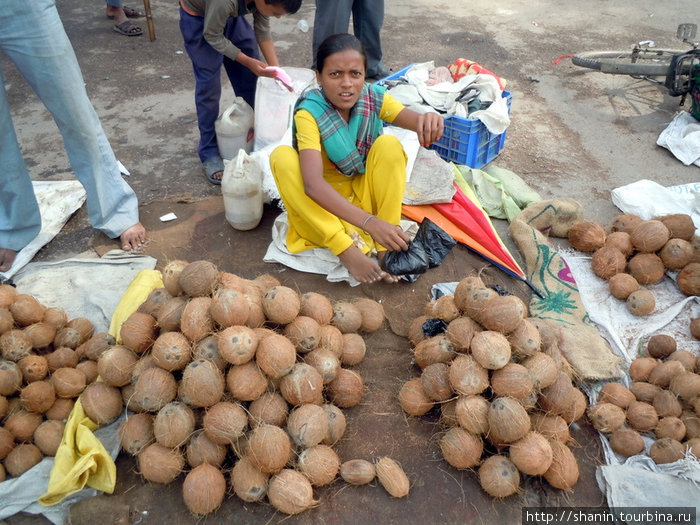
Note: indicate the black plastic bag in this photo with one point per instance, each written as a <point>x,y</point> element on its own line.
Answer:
<point>435,241</point>
<point>427,250</point>
<point>433,327</point>
<point>405,262</point>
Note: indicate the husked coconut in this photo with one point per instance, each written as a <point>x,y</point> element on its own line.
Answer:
<point>102,403</point>
<point>587,236</point>
<point>275,355</point>
<point>460,332</point>
<point>641,302</point>
<point>436,381</point>
<point>21,458</point>
<point>491,349</point>
<point>320,464</point>
<point>290,492</point>
<point>336,424</point>
<point>224,422</point>
<point>208,348</point>
<point>203,489</point>
<point>666,450</point>
<point>200,449</point>
<point>325,362</point>
<point>354,349</point>
<point>392,477</point>
<point>246,382</point>
<point>27,310</point>
<point>269,448</point>
<point>357,472</point>
<point>513,380</point>
<point>372,312</point>
<point>170,313</point>
<point>622,285</point>
<point>616,394</point>
<point>304,333</point>
<point>316,306</point>
<point>346,389</point>
<point>620,240</point>
<point>138,331</point>
<point>464,288</point>
<point>15,344</point>
<point>159,464</point>
<point>154,389</point>
<point>680,225</point>
<point>249,483</point>
<point>532,454</point>
<point>202,384</point>
<point>229,308</point>
<point>270,408</point>
<point>649,235</point>
<point>116,365</point>
<point>307,425</point>
<point>237,344</point>
<point>62,357</point>
<point>302,385</point>
<point>499,477</point>
<point>688,279</point>
<point>33,367</point>
<point>10,378</point>
<point>646,268</point>
<point>626,442</point>
<point>68,382</point>
<point>460,448</point>
<point>48,436</point>
<point>471,413</point>
<point>435,349</point>
<point>508,421</point>
<point>347,317</point>
<point>40,334</point>
<point>136,433</point>
<point>608,261</point>
<point>171,276</point>
<point>413,398</point>
<point>563,473</point>
<point>38,396</point>
<point>199,278</point>
<point>154,301</point>
<point>467,376</point>
<point>196,321</point>
<point>503,313</point>
<point>173,424</point>
<point>525,340</point>
<point>676,253</point>
<point>281,304</point>
<point>444,308</point>
<point>606,417</point>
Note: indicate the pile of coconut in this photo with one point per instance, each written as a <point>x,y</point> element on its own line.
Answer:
<point>241,383</point>
<point>505,393</point>
<point>634,253</point>
<point>662,404</point>
<point>47,362</point>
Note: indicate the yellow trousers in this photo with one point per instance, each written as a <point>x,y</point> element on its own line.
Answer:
<point>378,191</point>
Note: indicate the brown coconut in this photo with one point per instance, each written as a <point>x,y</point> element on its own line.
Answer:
<point>626,442</point>
<point>196,321</point>
<point>62,357</point>
<point>307,425</point>
<point>670,427</point>
<point>435,349</point>
<point>499,477</point>
<point>347,317</point>
<point>136,433</point>
<point>116,365</point>
<point>666,450</point>
<point>415,329</point>
<point>620,240</point>
<point>471,413</point>
<point>563,473</point>
<point>686,385</point>
<point>281,304</point>
<point>436,382</point>
<point>513,380</point>
<point>543,370</point>
<point>270,408</point>
<point>290,492</point>
<point>171,351</point>
<point>608,261</point>
<point>173,424</point>
<point>354,349</point>
<point>644,391</point>
<point>7,442</point>
<point>587,236</point>
<point>464,288</point>
<point>249,483</point>
<point>460,332</point>
<point>532,454</point>
<point>237,344</point>
<point>208,348</point>
<point>460,448</point>
<point>60,410</point>
<point>304,333</point>
<point>159,464</point>
<point>686,358</point>
<point>358,472</point>
<point>22,424</point>
<point>676,253</point>
<point>40,334</point>
<point>616,394</point>
<point>559,396</point>
<point>275,355</point>
<point>170,313</point>
<point>316,306</point>
<point>413,398</point>
<point>688,279</point>
<point>392,477</point>
<point>7,322</point>
<point>662,373</point>
<point>475,302</point>
<point>346,389</point>
<point>325,362</point>
<point>443,308</point>
<point>202,384</point>
<point>15,344</point>
<point>68,382</point>
<point>48,436</point>
<point>269,448</point>
<point>491,349</point>
<point>622,285</point>
<point>229,308</point>
<point>695,328</point>
<point>525,340</point>
<point>55,316</point>
<point>649,236</point>
<point>666,403</point>
<point>642,416</point>
<point>680,225</point>
<point>467,376</point>
<point>21,458</point>
<point>503,313</point>
<point>199,278</point>
<point>38,396</point>
<point>203,489</point>
<point>154,301</point>
<point>224,422</point>
<point>646,268</point>
<point>246,382</point>
<point>154,389</point>
<point>97,344</point>
<point>302,385</point>
<point>171,276</point>
<point>336,424</point>
<point>641,367</point>
<point>551,426</point>
<point>138,331</point>
<point>33,367</point>
<point>27,310</point>
<point>641,302</point>
<point>200,449</point>
<point>320,464</point>
<point>372,312</point>
<point>102,403</point>
<point>10,378</point>
<point>606,417</point>
<point>331,338</point>
<point>508,420</point>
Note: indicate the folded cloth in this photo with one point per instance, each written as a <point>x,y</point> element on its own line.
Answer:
<point>682,138</point>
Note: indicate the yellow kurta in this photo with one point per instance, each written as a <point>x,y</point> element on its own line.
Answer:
<point>378,191</point>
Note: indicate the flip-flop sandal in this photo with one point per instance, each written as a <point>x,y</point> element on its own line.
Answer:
<point>212,166</point>
<point>130,12</point>
<point>128,28</point>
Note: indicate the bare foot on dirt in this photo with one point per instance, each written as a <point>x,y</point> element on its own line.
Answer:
<point>7,257</point>
<point>362,268</point>
<point>133,237</point>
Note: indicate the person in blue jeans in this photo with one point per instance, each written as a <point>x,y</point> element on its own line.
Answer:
<point>32,36</point>
<point>333,17</point>
<point>120,13</point>
<point>216,33</point>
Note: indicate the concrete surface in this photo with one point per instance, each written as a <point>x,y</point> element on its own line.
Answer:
<point>574,133</point>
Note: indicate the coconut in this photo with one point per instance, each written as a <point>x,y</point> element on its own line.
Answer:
<point>303,384</point>
<point>357,472</point>
<point>622,285</point>
<point>275,355</point>
<point>154,389</point>
<point>531,454</point>
<point>171,351</point>
<point>60,410</point>
<point>97,344</point>
<point>15,344</point>
<point>136,433</point>
<point>551,426</point>
<point>464,288</point>
<point>331,338</point>
<point>27,310</point>
<point>38,396</point>
<point>695,328</point>
<point>626,442</point>
<point>525,340</point>
<point>641,367</point>
<point>436,349</point>
<point>558,397</point>
<point>413,398</point>
<point>336,424</point>
<point>316,306</point>
<point>372,312</point>
<point>606,417</point>
<point>249,483</point>
<point>208,348</point>
<point>116,365</point>
<point>246,382</point>
<point>448,416</point>
<point>644,391</point>
<point>7,442</point>
<point>325,362</point>
<point>320,464</point>
<point>10,378</point>
<point>649,236</point>
<point>270,408</point>
<point>199,279</point>
<point>513,380</point>
<point>467,376</point>
<point>7,322</point>
<point>460,448</point>
<point>84,327</point>
<point>170,313</point>
<point>68,382</point>
<point>200,449</point>
<point>436,382</point>
<point>196,322</point>
<point>687,359</point>
<point>154,301</point>
<point>171,276</point>
<point>354,349</point>
<point>499,477</point>
<point>471,413</point>
<point>307,425</point>
<point>48,436</point>
<point>666,403</point>
<point>662,373</point>
<point>290,492</point>
<point>616,394</point>
<point>563,473</point>
<point>8,293</point>
<point>224,422</point>
<point>587,236</point>
<point>4,407</point>
<point>138,331</point>
<point>392,477</point>
<point>692,426</point>
<point>102,403</point>
<point>21,458</point>
<point>508,420</point>
<point>608,261</point>
<point>491,349</point>
<point>444,308</point>
<point>62,357</point>
<point>642,416</point>
<point>666,450</point>
<point>646,268</point>
<point>676,253</point>
<point>415,329</point>
<point>641,303</point>
<point>304,332</point>
<point>202,384</point>
<point>89,368</point>
<point>670,427</point>
<point>503,313</point>
<point>33,367</point>
<point>237,344</point>
<point>173,424</point>
<point>685,385</point>
<point>229,308</point>
<point>203,489</point>
<point>620,240</point>
<point>40,334</point>
<point>543,370</point>
<point>22,424</point>
<point>346,389</point>
<point>281,304</point>
<point>460,332</point>
<point>159,464</point>
<point>680,225</point>
<point>475,302</point>
<point>256,315</point>
<point>269,448</point>
<point>688,279</point>
<point>347,317</point>
<point>56,317</point>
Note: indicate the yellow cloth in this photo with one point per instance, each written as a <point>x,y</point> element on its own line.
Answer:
<point>81,459</point>
<point>378,191</point>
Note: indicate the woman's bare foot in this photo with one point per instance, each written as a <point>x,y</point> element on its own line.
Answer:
<point>362,268</point>
<point>133,237</point>
<point>7,257</point>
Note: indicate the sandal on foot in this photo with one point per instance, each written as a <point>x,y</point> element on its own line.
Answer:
<point>130,12</point>
<point>128,28</point>
<point>212,166</point>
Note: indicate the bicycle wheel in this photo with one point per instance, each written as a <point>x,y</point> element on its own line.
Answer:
<point>643,62</point>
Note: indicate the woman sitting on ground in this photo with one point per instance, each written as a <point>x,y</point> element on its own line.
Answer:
<point>343,182</point>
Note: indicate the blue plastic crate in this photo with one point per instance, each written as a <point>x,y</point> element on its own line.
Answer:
<point>466,141</point>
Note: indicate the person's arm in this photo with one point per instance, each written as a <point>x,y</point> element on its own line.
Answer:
<point>268,50</point>
<point>428,126</point>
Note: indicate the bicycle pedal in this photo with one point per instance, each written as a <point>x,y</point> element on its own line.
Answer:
<point>686,31</point>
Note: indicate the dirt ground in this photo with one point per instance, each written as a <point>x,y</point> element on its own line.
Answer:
<point>574,133</point>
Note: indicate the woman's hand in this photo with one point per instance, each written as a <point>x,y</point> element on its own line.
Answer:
<point>391,236</point>
<point>430,127</point>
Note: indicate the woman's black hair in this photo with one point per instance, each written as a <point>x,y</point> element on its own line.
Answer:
<point>291,6</point>
<point>337,43</point>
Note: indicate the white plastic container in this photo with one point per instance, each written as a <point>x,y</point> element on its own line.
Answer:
<point>235,129</point>
<point>241,188</point>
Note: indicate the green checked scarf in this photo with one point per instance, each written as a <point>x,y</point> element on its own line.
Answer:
<point>346,144</point>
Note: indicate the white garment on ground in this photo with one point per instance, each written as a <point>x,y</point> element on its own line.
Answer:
<point>682,138</point>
